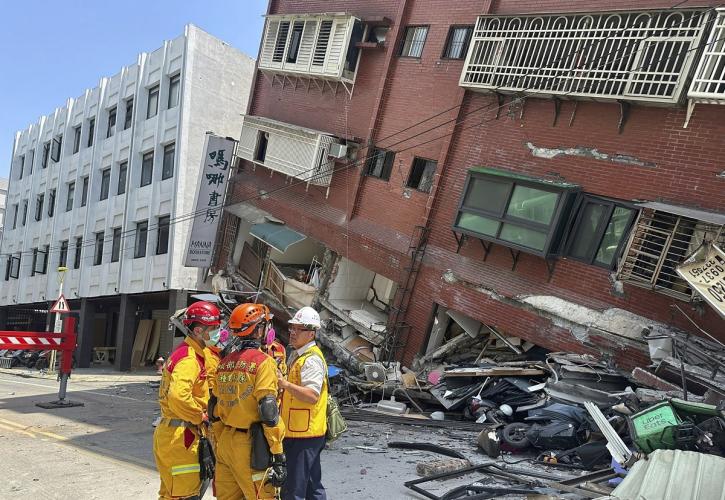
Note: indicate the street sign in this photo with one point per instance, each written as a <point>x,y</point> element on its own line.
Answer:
<point>60,306</point>
<point>707,277</point>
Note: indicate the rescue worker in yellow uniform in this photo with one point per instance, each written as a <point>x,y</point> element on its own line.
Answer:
<point>246,392</point>
<point>183,397</point>
<point>304,409</point>
<point>213,357</point>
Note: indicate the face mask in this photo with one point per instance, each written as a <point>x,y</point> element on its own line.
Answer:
<point>214,337</point>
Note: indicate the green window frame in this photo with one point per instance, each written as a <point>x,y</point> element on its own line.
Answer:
<point>514,210</point>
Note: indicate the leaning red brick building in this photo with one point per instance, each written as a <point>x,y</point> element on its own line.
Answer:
<point>517,167</point>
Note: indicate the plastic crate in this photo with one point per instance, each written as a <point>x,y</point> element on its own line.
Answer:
<point>655,427</point>
<point>6,362</point>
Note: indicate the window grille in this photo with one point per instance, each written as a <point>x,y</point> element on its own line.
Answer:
<point>659,243</point>
<point>414,41</point>
<point>709,81</point>
<point>641,56</point>
<point>313,46</point>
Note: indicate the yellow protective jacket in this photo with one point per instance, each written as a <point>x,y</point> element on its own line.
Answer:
<point>243,379</point>
<point>211,359</point>
<point>304,420</point>
<point>184,390</point>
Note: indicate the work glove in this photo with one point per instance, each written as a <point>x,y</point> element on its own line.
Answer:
<point>278,474</point>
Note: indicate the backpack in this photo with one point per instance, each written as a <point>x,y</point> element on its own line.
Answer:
<point>336,424</point>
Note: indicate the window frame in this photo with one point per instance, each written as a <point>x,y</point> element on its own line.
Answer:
<point>21,158</point>
<point>91,131</point>
<point>121,187</point>
<point>403,41</point>
<point>98,248</point>
<point>426,161</point>
<point>387,167</point>
<point>174,80</point>
<point>116,245</point>
<point>139,251</point>
<point>77,256</point>
<point>70,196</point>
<point>150,169</point>
<point>112,117</point>
<point>39,202</point>
<point>153,90</point>
<point>25,213</point>
<point>554,230</point>
<point>128,117</point>
<point>84,191</point>
<point>466,44</point>
<point>46,154</point>
<point>12,261</point>
<point>55,152</point>
<point>105,183</point>
<point>77,131</point>
<point>164,172</point>
<point>577,214</point>
<point>63,253</point>
<point>51,202</point>
<point>164,224</point>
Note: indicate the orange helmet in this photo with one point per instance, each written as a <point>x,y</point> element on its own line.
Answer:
<point>245,318</point>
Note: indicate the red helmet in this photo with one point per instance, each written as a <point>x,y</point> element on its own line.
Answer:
<point>202,312</point>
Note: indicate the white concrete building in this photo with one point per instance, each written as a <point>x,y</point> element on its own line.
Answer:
<point>97,184</point>
<point>3,198</point>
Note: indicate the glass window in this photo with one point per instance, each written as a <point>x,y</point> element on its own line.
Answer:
<point>615,234</point>
<point>141,237</point>
<point>15,266</point>
<point>77,258</point>
<point>46,155</point>
<point>98,254</point>
<point>30,160</point>
<point>63,255</point>
<point>39,207</point>
<point>421,174</point>
<point>77,139</point>
<point>147,168</point>
<point>84,192</point>
<point>152,107</point>
<point>515,210</point>
<point>55,151</point>
<point>168,167</point>
<point>15,215</point>
<point>414,41</point>
<point>122,172</point>
<point>25,212</point>
<point>51,203</point>
<point>70,196</point>
<point>457,43</point>
<point>129,114</point>
<point>116,245</point>
<point>162,241</point>
<point>105,183</point>
<point>91,131</point>
<point>380,163</point>
<point>111,129</point>
<point>294,43</point>
<point>174,88</point>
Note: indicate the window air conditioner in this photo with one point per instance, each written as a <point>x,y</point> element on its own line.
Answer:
<point>338,150</point>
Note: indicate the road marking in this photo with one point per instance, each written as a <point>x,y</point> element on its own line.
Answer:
<point>76,391</point>
<point>96,451</point>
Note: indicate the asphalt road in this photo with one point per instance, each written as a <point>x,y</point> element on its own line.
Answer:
<point>103,449</point>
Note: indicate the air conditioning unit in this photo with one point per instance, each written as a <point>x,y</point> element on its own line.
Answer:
<point>338,150</point>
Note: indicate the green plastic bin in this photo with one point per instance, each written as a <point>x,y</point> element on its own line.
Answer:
<point>654,428</point>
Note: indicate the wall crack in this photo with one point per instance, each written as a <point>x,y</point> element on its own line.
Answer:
<point>586,152</point>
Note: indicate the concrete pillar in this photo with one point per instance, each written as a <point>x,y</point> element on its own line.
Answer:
<point>3,318</point>
<point>125,334</point>
<point>85,333</point>
<point>177,300</point>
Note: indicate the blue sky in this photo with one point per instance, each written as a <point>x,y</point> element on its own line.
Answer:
<point>53,50</point>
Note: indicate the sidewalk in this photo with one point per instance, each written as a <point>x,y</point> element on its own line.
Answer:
<point>95,374</point>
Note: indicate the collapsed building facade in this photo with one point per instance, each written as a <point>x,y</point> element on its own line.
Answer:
<point>510,170</point>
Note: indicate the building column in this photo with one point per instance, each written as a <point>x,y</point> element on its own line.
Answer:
<point>85,333</point>
<point>125,333</point>
<point>178,299</point>
<point>3,318</point>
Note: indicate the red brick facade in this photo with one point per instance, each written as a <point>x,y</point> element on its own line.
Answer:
<point>681,166</point>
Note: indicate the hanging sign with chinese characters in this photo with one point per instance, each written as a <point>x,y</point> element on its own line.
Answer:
<point>209,200</point>
<point>707,277</point>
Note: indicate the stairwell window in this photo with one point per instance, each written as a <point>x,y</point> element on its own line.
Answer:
<point>84,191</point>
<point>459,37</point>
<point>25,212</point>
<point>116,245</point>
<point>98,254</point>
<point>91,131</point>
<point>111,128</point>
<point>421,174</point>
<point>39,206</point>
<point>77,139</point>
<point>77,257</point>
<point>414,41</point>
<point>105,183</point>
<point>599,231</point>
<point>55,151</point>
<point>152,106</point>
<point>380,163</point>
<point>513,210</point>
<point>122,173</point>
<point>162,239</point>
<point>147,168</point>
<point>46,155</point>
<point>51,203</point>
<point>142,229</point>
<point>174,89</point>
<point>70,196</point>
<point>128,116</point>
<point>167,170</point>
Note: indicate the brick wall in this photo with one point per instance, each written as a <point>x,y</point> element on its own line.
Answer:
<point>680,166</point>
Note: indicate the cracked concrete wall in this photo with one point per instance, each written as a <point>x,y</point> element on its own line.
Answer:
<point>587,152</point>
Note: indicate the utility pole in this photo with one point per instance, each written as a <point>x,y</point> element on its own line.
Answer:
<point>58,326</point>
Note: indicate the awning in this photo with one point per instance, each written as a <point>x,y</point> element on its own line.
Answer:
<point>692,213</point>
<point>278,236</point>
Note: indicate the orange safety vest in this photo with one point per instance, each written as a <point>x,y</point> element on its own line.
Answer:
<point>304,420</point>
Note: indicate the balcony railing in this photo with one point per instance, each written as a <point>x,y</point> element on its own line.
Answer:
<point>635,56</point>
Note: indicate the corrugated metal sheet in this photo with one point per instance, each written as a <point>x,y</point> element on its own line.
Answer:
<point>674,475</point>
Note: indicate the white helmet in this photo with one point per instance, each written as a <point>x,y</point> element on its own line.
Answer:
<point>307,317</point>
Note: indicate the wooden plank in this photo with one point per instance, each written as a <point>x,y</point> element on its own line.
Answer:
<point>494,372</point>
<point>140,341</point>
<point>153,344</point>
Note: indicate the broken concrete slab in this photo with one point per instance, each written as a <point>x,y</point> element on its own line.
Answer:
<point>441,466</point>
<point>652,381</point>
